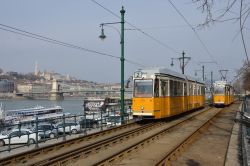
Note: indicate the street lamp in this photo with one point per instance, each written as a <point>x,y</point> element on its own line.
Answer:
<point>182,61</point>
<point>102,36</point>
<point>122,59</point>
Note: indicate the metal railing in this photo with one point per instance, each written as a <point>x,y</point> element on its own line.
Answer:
<point>31,133</point>
<point>245,132</point>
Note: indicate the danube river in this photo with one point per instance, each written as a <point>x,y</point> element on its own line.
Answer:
<point>73,106</point>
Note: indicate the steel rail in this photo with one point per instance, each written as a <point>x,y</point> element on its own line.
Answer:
<point>85,151</point>
<point>28,155</point>
<point>173,153</point>
<point>23,157</point>
<point>121,154</point>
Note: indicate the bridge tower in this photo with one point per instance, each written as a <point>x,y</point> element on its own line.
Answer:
<point>55,93</point>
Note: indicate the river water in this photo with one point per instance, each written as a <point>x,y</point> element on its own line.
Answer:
<point>73,106</point>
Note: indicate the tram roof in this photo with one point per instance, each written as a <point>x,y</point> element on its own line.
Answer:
<point>166,71</point>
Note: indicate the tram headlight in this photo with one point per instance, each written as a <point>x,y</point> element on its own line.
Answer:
<point>142,108</point>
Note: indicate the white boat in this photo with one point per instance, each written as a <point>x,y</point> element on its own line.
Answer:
<point>30,114</point>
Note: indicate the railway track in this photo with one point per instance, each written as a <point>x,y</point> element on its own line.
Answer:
<point>174,152</point>
<point>84,152</point>
<point>91,144</point>
<point>167,146</point>
<point>99,147</point>
<point>211,141</point>
<point>117,157</point>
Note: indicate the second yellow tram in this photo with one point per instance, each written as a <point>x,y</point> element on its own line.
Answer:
<point>223,94</point>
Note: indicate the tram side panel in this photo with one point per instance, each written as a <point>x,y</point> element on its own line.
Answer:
<point>164,107</point>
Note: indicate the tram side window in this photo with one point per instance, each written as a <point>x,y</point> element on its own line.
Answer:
<point>164,88</point>
<point>143,88</point>
<point>172,88</point>
<point>156,88</point>
<point>185,89</point>
<point>176,88</point>
<point>227,90</point>
<point>191,89</point>
<point>179,88</point>
<point>202,90</point>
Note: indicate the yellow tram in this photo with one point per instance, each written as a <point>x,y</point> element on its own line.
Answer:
<point>223,94</point>
<point>159,93</point>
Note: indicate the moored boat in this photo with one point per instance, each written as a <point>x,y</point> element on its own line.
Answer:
<point>29,114</point>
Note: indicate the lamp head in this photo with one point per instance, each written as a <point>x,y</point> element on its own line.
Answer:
<point>102,36</point>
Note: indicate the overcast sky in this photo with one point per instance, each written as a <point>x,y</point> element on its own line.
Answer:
<point>77,22</point>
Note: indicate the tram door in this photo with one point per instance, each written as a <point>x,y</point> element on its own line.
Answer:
<point>164,99</point>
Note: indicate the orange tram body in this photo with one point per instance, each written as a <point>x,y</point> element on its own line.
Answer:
<point>223,94</point>
<point>160,93</point>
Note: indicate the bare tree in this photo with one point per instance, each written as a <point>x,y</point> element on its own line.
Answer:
<point>232,10</point>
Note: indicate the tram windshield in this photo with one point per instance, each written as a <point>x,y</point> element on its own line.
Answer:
<point>219,90</point>
<point>143,88</point>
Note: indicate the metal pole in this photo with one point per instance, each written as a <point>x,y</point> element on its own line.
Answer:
<point>211,78</point>
<point>203,73</point>
<point>183,53</point>
<point>122,65</point>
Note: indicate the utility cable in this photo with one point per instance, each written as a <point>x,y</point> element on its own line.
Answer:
<point>138,29</point>
<point>53,41</point>
<point>47,39</point>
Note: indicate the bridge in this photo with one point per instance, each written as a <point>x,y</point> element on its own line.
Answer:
<point>59,89</point>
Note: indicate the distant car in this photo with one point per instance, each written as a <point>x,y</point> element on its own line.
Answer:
<point>114,120</point>
<point>46,130</point>
<point>89,123</point>
<point>16,136</point>
<point>70,127</point>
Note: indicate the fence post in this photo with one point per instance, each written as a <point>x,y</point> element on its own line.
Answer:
<point>64,136</point>
<point>9,143</point>
<point>114,117</point>
<point>101,120</point>
<point>36,132</point>
<point>85,124</point>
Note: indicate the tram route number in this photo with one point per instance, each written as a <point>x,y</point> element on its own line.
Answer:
<point>138,74</point>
